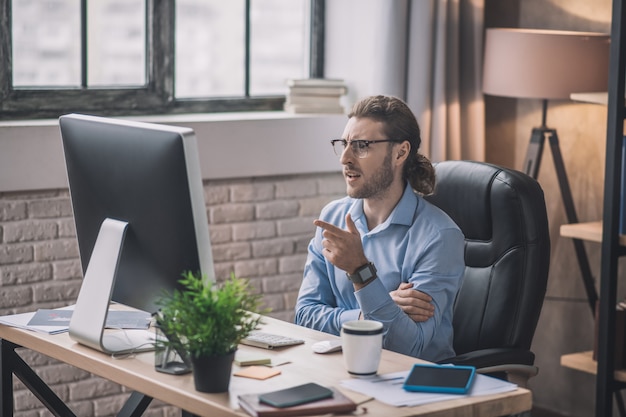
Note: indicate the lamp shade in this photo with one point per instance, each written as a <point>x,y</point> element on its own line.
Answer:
<point>545,64</point>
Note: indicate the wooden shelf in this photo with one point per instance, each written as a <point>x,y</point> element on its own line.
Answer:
<point>594,98</point>
<point>583,361</point>
<point>591,231</point>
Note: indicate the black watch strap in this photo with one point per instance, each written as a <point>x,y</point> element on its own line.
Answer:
<point>363,274</point>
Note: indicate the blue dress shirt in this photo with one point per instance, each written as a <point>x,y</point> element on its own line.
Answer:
<point>418,243</point>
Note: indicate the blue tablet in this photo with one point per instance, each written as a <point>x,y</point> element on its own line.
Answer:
<point>446,379</point>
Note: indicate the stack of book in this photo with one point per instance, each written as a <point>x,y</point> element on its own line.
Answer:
<point>315,95</point>
<point>295,402</point>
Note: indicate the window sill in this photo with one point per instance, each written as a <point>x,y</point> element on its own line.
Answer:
<point>188,118</point>
<point>231,145</point>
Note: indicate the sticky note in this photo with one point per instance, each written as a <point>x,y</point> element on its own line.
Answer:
<point>246,359</point>
<point>257,372</point>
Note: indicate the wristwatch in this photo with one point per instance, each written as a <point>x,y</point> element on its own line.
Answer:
<point>363,274</point>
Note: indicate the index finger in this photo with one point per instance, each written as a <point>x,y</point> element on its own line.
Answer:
<point>328,226</point>
<point>413,293</point>
<point>422,296</point>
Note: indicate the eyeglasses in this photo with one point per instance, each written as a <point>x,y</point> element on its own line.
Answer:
<point>358,147</point>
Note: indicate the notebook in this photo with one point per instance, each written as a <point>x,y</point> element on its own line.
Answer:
<point>338,403</point>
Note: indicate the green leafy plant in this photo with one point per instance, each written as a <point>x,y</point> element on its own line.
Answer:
<point>208,319</point>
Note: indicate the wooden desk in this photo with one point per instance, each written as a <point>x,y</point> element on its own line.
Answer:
<point>138,374</point>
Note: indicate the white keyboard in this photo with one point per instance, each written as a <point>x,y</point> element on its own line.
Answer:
<point>269,340</point>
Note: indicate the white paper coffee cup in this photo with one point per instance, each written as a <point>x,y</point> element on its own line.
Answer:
<point>362,344</point>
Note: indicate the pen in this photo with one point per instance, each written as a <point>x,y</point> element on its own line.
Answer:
<point>387,379</point>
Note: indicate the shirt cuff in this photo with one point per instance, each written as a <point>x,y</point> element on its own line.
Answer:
<point>369,297</point>
<point>349,315</point>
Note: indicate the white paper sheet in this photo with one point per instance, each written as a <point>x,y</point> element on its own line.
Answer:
<point>387,388</point>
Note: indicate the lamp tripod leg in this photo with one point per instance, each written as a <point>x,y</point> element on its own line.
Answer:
<point>534,152</point>
<point>572,218</point>
<point>531,168</point>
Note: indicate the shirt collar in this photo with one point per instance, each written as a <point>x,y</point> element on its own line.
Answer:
<point>402,213</point>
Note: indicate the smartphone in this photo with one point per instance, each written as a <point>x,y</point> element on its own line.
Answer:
<point>173,368</point>
<point>447,379</point>
<point>299,394</point>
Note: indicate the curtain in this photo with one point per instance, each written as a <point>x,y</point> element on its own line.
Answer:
<point>444,71</point>
<point>428,52</point>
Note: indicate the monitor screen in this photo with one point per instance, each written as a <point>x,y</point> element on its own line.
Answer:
<point>147,175</point>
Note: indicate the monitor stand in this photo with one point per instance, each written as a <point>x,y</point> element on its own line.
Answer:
<point>87,325</point>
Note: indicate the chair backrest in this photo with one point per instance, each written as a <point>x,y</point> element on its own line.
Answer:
<point>502,213</point>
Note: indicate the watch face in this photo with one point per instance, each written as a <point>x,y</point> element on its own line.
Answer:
<point>366,273</point>
<point>363,274</point>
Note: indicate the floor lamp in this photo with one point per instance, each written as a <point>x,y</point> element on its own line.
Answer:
<point>548,64</point>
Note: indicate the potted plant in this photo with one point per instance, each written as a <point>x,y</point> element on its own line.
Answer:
<point>205,322</point>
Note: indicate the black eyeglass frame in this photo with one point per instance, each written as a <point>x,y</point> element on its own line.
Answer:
<point>358,145</point>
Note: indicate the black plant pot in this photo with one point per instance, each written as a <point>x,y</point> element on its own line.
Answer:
<point>212,373</point>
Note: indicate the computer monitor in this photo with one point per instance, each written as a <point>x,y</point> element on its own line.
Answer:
<point>138,203</point>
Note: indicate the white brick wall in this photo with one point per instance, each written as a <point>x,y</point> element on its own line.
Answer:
<point>260,229</point>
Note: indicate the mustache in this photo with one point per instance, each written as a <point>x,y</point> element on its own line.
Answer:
<point>349,168</point>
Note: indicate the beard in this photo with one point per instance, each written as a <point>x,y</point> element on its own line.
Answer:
<point>379,184</point>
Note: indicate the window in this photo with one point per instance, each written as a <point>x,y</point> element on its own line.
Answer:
<point>115,57</point>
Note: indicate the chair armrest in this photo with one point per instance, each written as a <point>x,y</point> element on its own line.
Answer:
<point>514,365</point>
<point>518,374</point>
<point>493,357</point>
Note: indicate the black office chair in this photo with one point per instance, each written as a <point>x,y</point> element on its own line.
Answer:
<point>502,213</point>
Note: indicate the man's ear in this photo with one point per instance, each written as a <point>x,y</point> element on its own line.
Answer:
<point>402,151</point>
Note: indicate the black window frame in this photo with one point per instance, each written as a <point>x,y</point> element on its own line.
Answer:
<point>157,97</point>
